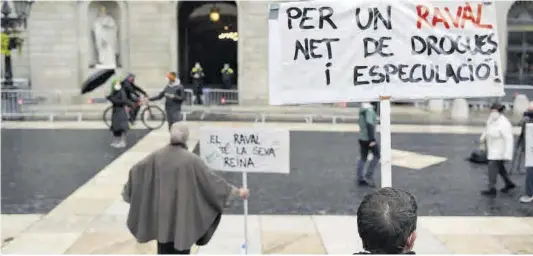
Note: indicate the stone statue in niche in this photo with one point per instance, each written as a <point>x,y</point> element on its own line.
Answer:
<point>105,31</point>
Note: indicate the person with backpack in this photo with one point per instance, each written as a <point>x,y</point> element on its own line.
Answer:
<point>367,143</point>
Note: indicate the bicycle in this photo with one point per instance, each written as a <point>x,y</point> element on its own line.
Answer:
<point>152,116</point>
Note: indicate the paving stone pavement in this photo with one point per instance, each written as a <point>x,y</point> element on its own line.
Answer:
<point>92,219</point>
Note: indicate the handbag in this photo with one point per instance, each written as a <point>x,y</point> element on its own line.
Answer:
<point>479,155</point>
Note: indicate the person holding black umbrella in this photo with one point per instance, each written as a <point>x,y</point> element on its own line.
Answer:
<point>119,119</point>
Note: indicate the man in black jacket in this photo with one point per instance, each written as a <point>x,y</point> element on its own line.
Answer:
<point>386,221</point>
<point>134,93</point>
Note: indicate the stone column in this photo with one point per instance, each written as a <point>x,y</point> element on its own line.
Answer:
<point>520,104</point>
<point>53,28</point>
<point>460,110</point>
<point>436,106</point>
<point>253,52</point>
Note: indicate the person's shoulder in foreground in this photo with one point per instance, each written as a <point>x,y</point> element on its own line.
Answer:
<point>386,221</point>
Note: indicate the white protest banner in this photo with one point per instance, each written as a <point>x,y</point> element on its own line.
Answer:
<point>528,146</point>
<point>351,51</point>
<point>245,149</point>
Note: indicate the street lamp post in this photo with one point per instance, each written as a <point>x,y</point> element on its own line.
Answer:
<point>13,23</point>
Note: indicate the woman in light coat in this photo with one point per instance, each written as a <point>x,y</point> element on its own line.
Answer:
<point>498,136</point>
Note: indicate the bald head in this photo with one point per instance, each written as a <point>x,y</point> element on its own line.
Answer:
<point>179,133</point>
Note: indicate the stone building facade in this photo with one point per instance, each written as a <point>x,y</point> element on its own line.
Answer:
<point>56,52</point>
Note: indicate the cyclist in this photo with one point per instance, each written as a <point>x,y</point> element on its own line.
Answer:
<point>119,120</point>
<point>174,94</point>
<point>135,94</point>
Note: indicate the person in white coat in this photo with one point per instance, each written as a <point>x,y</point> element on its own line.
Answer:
<point>498,136</point>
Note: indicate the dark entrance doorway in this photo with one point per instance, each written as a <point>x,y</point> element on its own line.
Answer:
<point>212,43</point>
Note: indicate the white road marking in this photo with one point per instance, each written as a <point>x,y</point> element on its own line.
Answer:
<point>413,160</point>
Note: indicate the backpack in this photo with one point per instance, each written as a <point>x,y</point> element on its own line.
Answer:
<point>479,156</point>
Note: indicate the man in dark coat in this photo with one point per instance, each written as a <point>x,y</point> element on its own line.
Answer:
<point>227,76</point>
<point>386,221</point>
<point>175,198</point>
<point>134,94</point>
<point>197,74</point>
<point>119,119</point>
<point>174,94</point>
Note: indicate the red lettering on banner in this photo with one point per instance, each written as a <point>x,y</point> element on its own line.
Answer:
<point>462,15</point>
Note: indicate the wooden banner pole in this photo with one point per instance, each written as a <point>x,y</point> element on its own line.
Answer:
<point>386,144</point>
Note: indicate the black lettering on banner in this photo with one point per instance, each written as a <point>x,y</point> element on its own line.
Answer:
<point>374,15</point>
<point>239,139</point>
<point>259,151</point>
<point>328,80</point>
<point>224,150</point>
<point>428,73</point>
<point>213,139</point>
<point>429,45</point>
<point>242,150</point>
<point>448,45</point>
<point>239,162</point>
<point>357,74</point>
<point>311,48</point>
<point>372,46</point>
<point>307,49</point>
<point>379,46</point>
<point>380,18</point>
<point>324,16</point>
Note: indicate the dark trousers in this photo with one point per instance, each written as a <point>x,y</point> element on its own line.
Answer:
<point>168,248</point>
<point>529,181</point>
<point>173,116</point>
<point>198,97</point>
<point>498,167</point>
<point>365,148</point>
<point>198,91</point>
<point>226,84</point>
<point>133,113</point>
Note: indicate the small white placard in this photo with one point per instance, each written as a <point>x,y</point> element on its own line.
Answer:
<point>245,149</point>
<point>529,145</point>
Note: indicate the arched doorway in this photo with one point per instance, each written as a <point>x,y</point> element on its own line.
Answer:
<point>206,41</point>
<point>520,44</point>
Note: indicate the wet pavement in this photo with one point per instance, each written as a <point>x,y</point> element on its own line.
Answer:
<point>40,168</point>
<point>323,174</point>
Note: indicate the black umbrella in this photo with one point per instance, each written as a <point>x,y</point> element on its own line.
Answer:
<point>96,80</point>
